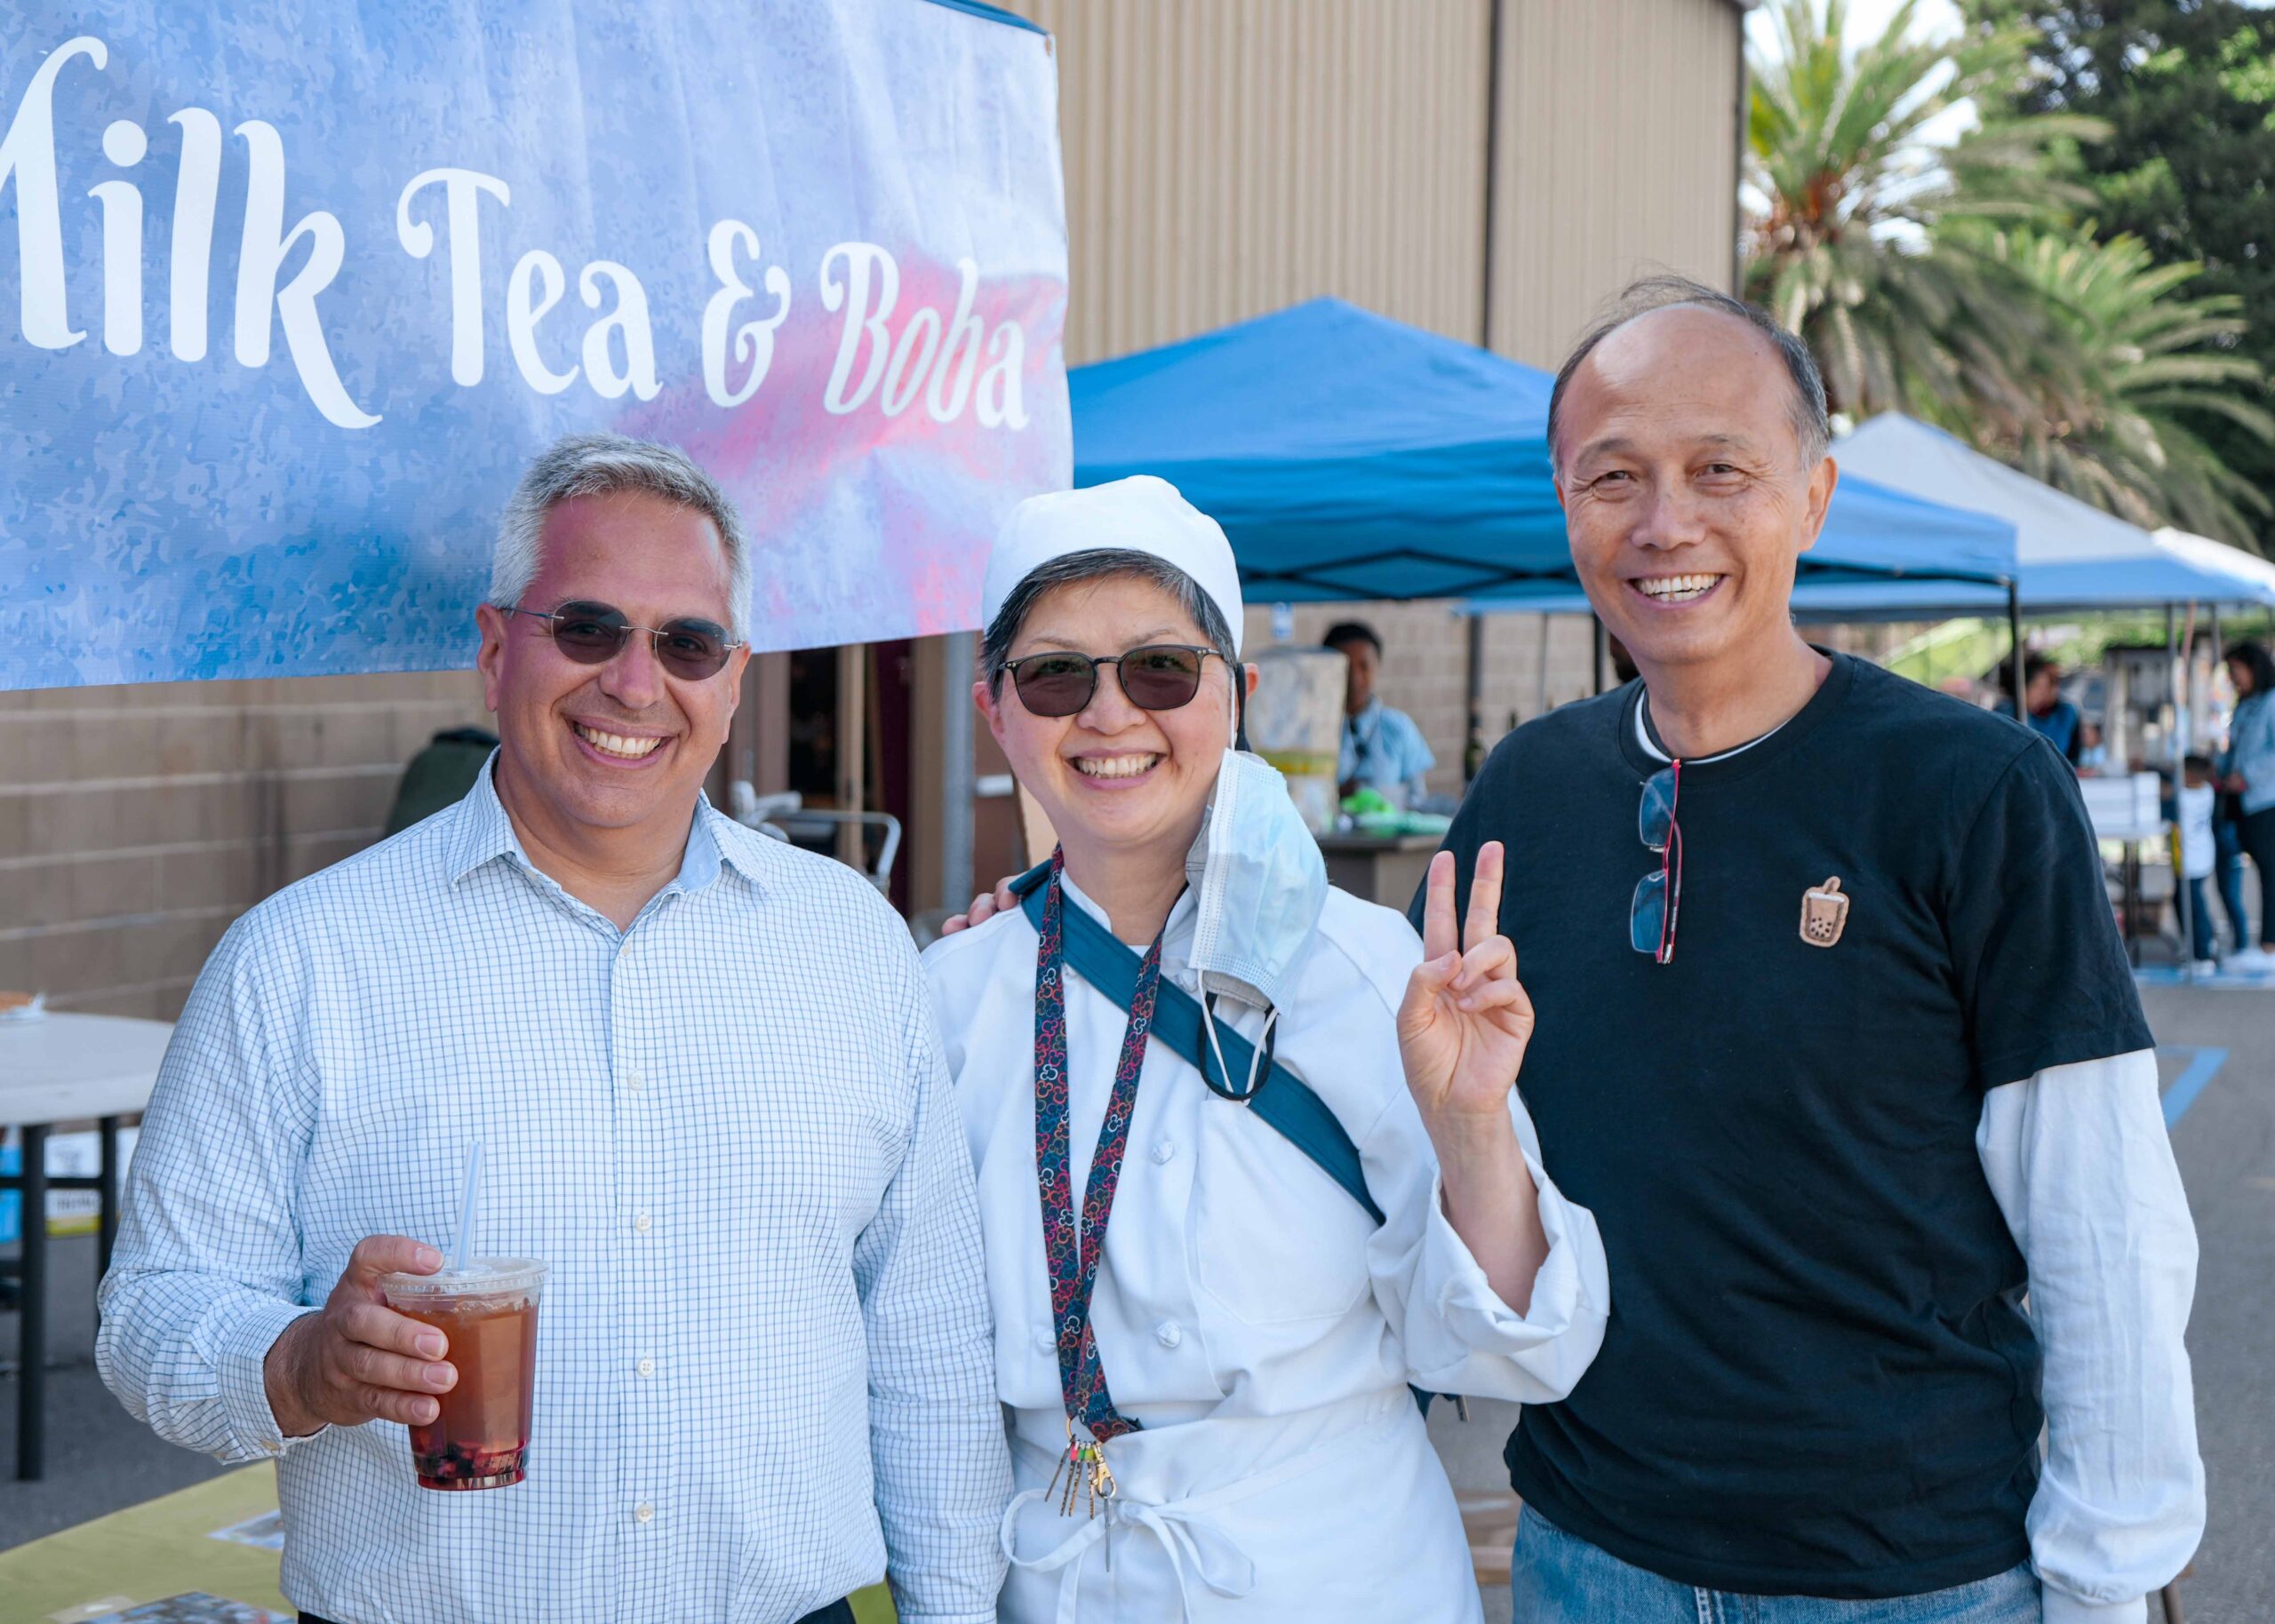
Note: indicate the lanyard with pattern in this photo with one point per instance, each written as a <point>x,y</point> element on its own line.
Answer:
<point>1073,1250</point>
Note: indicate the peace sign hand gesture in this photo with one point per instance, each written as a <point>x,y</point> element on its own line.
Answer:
<point>1466,1019</point>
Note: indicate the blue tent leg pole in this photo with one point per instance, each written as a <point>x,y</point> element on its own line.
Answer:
<point>2015,647</point>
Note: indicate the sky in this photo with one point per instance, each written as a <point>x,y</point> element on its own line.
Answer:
<point>1867,18</point>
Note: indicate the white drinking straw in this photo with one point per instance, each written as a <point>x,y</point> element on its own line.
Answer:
<point>465,1245</point>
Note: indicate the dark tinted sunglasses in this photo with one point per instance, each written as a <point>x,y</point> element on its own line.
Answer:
<point>594,634</point>
<point>1158,677</point>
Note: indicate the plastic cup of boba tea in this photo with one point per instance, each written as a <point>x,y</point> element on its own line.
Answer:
<point>488,1313</point>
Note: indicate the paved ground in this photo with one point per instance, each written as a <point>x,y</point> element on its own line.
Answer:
<point>98,1460</point>
<point>2225,1143</point>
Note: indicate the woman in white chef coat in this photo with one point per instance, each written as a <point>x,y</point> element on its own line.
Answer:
<point>1215,1349</point>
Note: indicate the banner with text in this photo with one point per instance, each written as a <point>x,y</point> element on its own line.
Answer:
<point>298,287</point>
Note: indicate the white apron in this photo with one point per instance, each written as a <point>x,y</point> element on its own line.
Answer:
<point>1340,1513</point>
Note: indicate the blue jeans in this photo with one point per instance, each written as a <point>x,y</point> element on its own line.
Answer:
<point>2227,868</point>
<point>2199,916</point>
<point>1557,1579</point>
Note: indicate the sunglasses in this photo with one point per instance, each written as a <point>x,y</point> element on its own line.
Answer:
<point>595,633</point>
<point>1158,677</point>
<point>1658,894</point>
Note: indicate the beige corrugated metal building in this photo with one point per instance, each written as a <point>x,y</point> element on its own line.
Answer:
<point>1224,158</point>
<point>1227,157</point>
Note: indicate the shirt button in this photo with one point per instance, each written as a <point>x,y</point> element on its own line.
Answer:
<point>634,1081</point>
<point>647,1368</point>
<point>1169,1333</point>
<point>1045,1343</point>
<point>642,1223</point>
<point>644,1513</point>
<point>1162,1151</point>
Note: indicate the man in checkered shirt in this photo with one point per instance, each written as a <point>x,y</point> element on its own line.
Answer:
<point>703,1069</point>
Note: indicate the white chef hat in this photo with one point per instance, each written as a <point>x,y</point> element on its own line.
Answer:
<point>1137,514</point>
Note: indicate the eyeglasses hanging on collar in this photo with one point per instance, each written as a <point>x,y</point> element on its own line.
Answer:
<point>1658,894</point>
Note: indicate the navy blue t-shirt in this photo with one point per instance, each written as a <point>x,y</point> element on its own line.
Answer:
<point>1817,1379</point>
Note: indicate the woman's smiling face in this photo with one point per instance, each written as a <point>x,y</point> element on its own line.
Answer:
<point>1111,777</point>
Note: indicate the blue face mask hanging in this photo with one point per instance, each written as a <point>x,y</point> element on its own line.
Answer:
<point>1260,885</point>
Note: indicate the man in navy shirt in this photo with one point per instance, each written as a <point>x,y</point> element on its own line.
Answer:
<point>1836,1040</point>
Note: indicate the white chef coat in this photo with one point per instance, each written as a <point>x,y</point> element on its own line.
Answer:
<point>1249,1314</point>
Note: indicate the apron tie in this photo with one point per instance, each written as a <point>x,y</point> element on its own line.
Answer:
<point>1195,1542</point>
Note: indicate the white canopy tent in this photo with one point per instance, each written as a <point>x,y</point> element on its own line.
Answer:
<point>2204,554</point>
<point>2069,555</point>
<point>2050,527</point>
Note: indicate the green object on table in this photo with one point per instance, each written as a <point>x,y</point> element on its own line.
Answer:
<point>166,1547</point>
<point>1372,812</point>
<point>1394,825</point>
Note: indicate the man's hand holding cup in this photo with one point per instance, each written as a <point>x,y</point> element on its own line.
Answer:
<point>356,1359</point>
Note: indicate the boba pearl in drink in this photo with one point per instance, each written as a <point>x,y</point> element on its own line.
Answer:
<point>487,1312</point>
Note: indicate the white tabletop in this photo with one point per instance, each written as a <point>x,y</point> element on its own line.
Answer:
<point>65,1068</point>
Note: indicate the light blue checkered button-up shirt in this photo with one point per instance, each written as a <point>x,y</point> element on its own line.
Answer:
<point>764,1357</point>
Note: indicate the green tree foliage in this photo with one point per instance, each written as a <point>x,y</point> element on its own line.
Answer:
<point>2154,365</point>
<point>1879,246</point>
<point>2186,89</point>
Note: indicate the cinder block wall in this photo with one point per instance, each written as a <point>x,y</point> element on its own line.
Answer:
<point>136,822</point>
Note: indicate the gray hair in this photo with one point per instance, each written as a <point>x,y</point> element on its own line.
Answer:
<point>597,465</point>
<point>1811,425</point>
<point>1097,564</point>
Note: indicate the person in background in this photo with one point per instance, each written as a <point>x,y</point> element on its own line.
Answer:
<point>2248,773</point>
<point>2093,753</point>
<point>439,776</point>
<point>2197,852</point>
<point>1381,749</point>
<point>2227,863</point>
<point>2049,715</point>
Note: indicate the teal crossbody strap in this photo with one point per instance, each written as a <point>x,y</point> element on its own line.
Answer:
<point>1283,1100</point>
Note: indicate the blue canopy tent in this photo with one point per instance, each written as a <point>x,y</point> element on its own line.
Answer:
<point>1352,457</point>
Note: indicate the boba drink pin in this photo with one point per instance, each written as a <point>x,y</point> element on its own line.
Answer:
<point>1824,913</point>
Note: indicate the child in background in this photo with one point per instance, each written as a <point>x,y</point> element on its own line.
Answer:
<point>2196,854</point>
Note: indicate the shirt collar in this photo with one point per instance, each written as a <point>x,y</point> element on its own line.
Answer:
<point>485,832</point>
<point>1649,740</point>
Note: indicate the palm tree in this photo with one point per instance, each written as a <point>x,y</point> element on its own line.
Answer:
<point>1945,279</point>
<point>1855,237</point>
<point>2152,361</point>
